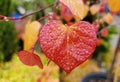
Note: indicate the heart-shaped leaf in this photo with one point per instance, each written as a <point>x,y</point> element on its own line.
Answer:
<point>31,34</point>
<point>75,6</point>
<point>29,58</point>
<point>67,46</point>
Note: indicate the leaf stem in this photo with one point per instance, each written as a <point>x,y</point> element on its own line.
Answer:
<point>33,47</point>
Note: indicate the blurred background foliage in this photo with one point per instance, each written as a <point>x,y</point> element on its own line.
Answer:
<point>16,71</point>
<point>7,7</point>
<point>8,39</point>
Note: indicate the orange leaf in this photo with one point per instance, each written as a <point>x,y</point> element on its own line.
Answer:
<point>114,5</point>
<point>99,42</point>
<point>94,9</point>
<point>75,6</point>
<point>31,34</point>
<point>85,63</point>
<point>29,58</point>
<point>108,18</point>
<point>68,46</point>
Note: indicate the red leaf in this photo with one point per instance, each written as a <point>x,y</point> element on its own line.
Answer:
<point>29,58</point>
<point>65,13</point>
<point>104,32</point>
<point>67,46</point>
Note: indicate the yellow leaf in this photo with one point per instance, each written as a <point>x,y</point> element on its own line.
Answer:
<point>75,6</point>
<point>85,13</point>
<point>31,34</point>
<point>86,8</point>
<point>114,5</point>
<point>85,64</point>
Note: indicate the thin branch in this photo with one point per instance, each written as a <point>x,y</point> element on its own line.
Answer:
<point>33,47</point>
<point>4,18</point>
<point>43,18</point>
<point>37,11</point>
<point>113,61</point>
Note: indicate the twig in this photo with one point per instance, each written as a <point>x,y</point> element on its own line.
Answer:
<point>24,16</point>
<point>33,47</point>
<point>43,18</point>
<point>4,18</point>
<point>115,54</point>
<point>109,77</point>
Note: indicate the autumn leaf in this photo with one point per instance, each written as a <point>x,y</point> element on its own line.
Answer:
<point>68,16</point>
<point>31,34</point>
<point>85,64</point>
<point>99,42</point>
<point>114,5</point>
<point>68,46</point>
<point>75,6</point>
<point>86,8</point>
<point>108,18</point>
<point>65,13</point>
<point>104,32</point>
<point>95,9</point>
<point>29,58</point>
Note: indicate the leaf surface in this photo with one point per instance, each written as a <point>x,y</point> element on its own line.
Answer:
<point>29,58</point>
<point>95,9</point>
<point>67,46</point>
<point>75,6</point>
<point>104,32</point>
<point>31,34</point>
<point>108,18</point>
<point>65,13</point>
